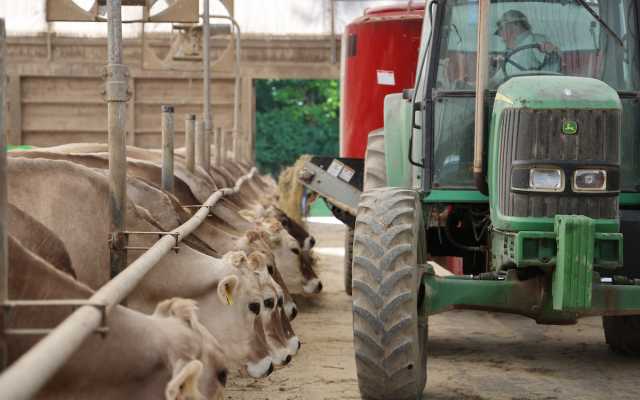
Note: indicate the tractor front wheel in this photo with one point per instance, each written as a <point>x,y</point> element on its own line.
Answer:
<point>623,334</point>
<point>390,334</point>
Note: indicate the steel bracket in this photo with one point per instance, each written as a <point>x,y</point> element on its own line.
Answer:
<point>116,85</point>
<point>120,240</point>
<point>9,306</point>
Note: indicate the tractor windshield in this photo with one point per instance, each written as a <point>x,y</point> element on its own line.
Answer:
<point>591,38</point>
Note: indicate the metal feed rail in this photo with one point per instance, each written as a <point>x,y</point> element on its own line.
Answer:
<point>24,378</point>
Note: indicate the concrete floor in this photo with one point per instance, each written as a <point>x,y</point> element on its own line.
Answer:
<point>472,355</point>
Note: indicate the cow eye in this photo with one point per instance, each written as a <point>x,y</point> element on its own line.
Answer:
<point>295,251</point>
<point>254,308</point>
<point>269,303</point>
<point>270,269</point>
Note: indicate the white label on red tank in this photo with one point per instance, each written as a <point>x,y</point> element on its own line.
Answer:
<point>387,78</point>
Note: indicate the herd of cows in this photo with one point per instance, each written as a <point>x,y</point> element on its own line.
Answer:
<point>219,304</point>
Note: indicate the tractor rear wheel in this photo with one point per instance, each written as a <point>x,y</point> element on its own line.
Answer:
<point>390,334</point>
<point>623,334</point>
<point>348,259</point>
<point>375,176</point>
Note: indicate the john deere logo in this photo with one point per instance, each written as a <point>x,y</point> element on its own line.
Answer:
<point>569,127</point>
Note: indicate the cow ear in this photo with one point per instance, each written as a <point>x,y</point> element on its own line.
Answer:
<point>184,382</point>
<point>235,258</point>
<point>255,259</point>
<point>267,239</point>
<point>227,288</point>
<point>183,309</point>
<point>252,235</point>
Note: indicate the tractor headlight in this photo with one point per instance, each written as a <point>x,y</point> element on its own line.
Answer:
<point>589,180</point>
<point>546,180</point>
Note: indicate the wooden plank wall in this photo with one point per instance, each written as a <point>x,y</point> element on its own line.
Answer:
<point>55,89</point>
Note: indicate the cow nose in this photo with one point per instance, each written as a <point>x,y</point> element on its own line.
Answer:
<point>254,308</point>
<point>222,376</point>
<point>269,303</point>
<point>287,360</point>
<point>270,369</point>
<point>280,301</point>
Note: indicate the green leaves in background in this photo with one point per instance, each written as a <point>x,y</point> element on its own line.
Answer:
<point>295,117</point>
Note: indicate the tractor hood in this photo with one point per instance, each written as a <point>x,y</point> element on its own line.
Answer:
<point>553,92</point>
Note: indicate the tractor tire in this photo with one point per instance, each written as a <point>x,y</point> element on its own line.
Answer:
<point>375,167</point>
<point>623,334</point>
<point>375,176</point>
<point>389,334</point>
<point>348,259</point>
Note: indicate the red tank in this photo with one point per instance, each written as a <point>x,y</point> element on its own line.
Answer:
<point>379,57</point>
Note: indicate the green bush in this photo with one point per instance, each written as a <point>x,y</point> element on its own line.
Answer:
<point>295,117</point>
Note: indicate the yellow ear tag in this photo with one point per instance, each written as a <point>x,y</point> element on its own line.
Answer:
<point>227,295</point>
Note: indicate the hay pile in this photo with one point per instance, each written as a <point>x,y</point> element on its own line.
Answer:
<point>291,191</point>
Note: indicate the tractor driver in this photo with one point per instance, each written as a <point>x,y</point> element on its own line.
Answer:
<point>526,51</point>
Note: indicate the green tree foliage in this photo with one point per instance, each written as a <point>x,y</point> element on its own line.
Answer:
<point>295,117</point>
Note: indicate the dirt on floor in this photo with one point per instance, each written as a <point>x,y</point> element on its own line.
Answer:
<point>472,355</point>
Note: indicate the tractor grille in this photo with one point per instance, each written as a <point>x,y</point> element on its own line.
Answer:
<point>536,136</point>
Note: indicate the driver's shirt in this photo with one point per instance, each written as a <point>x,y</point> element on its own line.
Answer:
<point>528,59</point>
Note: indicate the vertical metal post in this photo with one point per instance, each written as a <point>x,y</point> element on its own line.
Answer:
<point>236,94</point>
<point>200,144</point>
<point>218,146</point>
<point>207,149</point>
<point>168,138</point>
<point>4,257</point>
<point>482,74</point>
<point>190,140</point>
<point>206,82</point>
<point>334,50</point>
<point>116,88</point>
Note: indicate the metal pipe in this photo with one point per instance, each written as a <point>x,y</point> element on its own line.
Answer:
<point>482,74</point>
<point>200,144</point>
<point>207,149</point>
<point>42,361</point>
<point>190,140</point>
<point>236,95</point>
<point>334,50</point>
<point>4,257</point>
<point>168,139</point>
<point>217,146</point>
<point>206,73</point>
<point>116,96</point>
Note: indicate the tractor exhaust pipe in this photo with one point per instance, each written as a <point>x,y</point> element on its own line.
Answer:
<point>482,77</point>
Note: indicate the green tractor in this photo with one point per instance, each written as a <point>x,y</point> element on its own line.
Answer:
<point>518,151</point>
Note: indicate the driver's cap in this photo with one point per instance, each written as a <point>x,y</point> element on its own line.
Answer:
<point>510,17</point>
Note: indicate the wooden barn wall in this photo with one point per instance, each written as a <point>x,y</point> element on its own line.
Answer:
<point>55,88</point>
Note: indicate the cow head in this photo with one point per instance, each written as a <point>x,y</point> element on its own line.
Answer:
<point>198,372</point>
<point>233,308</point>
<point>302,236</point>
<point>251,241</point>
<point>295,264</point>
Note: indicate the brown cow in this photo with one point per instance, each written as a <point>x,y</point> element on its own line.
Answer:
<point>73,201</point>
<point>177,359</point>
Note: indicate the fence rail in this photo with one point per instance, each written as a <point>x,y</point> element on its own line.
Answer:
<point>24,378</point>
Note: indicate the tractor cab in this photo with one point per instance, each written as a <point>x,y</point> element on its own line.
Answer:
<point>518,152</point>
